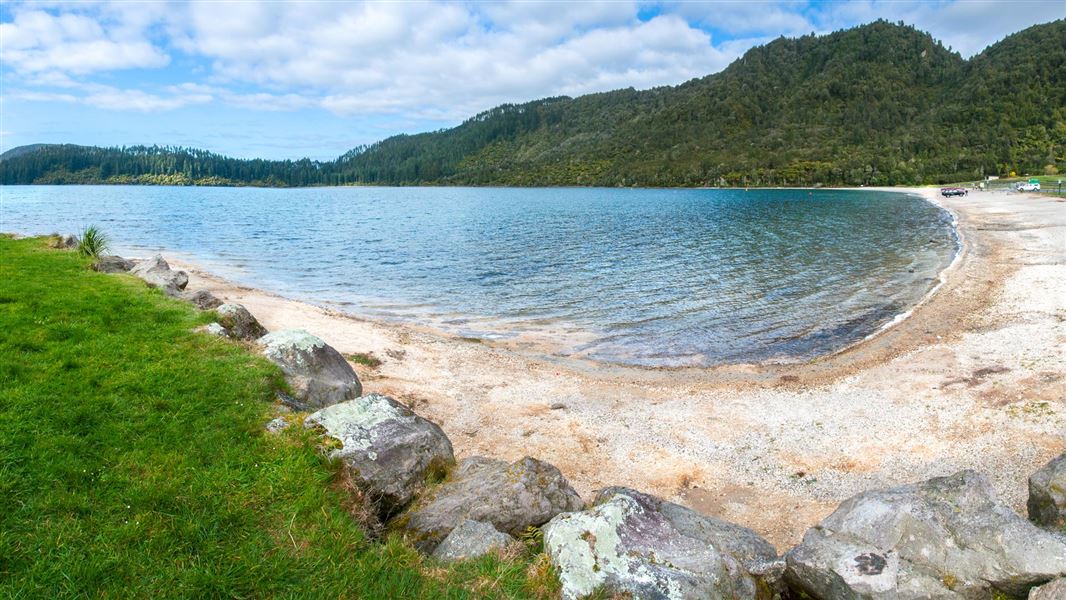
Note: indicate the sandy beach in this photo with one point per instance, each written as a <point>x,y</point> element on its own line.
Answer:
<point>974,377</point>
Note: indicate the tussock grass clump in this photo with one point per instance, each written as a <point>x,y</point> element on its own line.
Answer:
<point>134,461</point>
<point>367,359</point>
<point>92,242</point>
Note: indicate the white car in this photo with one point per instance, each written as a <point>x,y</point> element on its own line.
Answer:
<point>1028,187</point>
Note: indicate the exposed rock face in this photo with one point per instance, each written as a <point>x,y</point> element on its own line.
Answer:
<point>471,539</point>
<point>630,542</point>
<point>202,299</point>
<point>1047,494</point>
<point>510,497</point>
<point>240,323</point>
<point>318,374</point>
<point>1056,590</point>
<point>157,273</point>
<point>68,241</point>
<point>390,451</point>
<point>944,538</point>
<point>112,264</point>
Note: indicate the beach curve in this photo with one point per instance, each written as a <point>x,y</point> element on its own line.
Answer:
<point>924,397</point>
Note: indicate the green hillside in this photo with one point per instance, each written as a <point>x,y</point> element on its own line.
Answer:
<point>880,104</point>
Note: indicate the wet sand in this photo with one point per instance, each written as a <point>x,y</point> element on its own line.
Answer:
<point>975,377</point>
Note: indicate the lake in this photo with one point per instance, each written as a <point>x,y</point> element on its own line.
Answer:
<point>635,276</point>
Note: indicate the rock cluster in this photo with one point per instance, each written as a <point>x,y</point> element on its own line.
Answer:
<point>1047,495</point>
<point>318,374</point>
<point>471,539</point>
<point>634,543</point>
<point>512,497</point>
<point>240,323</point>
<point>157,273</point>
<point>202,299</point>
<point>1056,590</point>
<point>113,264</point>
<point>390,451</point>
<point>945,538</point>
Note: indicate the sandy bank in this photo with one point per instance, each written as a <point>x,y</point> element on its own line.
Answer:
<point>974,378</point>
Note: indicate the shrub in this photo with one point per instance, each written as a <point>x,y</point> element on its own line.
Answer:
<point>93,242</point>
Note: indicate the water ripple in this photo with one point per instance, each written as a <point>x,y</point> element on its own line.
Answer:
<point>656,277</point>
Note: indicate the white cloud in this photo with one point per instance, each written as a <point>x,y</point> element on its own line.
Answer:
<point>437,61</point>
<point>113,98</point>
<point>966,26</point>
<point>120,99</point>
<point>747,17</point>
<point>36,41</point>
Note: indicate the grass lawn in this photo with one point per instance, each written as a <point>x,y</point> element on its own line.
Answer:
<point>134,464</point>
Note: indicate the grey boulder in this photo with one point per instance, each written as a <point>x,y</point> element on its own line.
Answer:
<point>947,537</point>
<point>213,329</point>
<point>202,299</point>
<point>113,264</point>
<point>389,451</point>
<point>512,497</point>
<point>239,322</point>
<point>1056,590</point>
<point>157,273</point>
<point>1047,494</point>
<point>633,543</point>
<point>318,374</point>
<point>471,539</point>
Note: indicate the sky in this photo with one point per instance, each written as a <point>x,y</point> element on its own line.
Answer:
<point>315,79</point>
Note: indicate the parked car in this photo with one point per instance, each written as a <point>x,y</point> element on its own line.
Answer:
<point>1030,186</point>
<point>953,191</point>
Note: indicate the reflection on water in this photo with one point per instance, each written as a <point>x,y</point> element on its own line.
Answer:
<point>656,277</point>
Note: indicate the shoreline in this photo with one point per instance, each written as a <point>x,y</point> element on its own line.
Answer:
<point>542,342</point>
<point>929,195</point>
<point>970,378</point>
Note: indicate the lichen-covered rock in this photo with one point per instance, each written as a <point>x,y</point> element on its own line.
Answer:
<point>157,273</point>
<point>1047,494</point>
<point>240,323</point>
<point>202,299</point>
<point>213,329</point>
<point>947,537</point>
<point>1056,590</point>
<point>318,374</point>
<point>471,539</point>
<point>389,450</point>
<point>635,543</point>
<point>277,425</point>
<point>112,264</point>
<point>526,493</point>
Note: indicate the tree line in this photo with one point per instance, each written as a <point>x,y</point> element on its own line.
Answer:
<point>879,104</point>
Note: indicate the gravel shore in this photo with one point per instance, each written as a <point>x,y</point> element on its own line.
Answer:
<point>973,378</point>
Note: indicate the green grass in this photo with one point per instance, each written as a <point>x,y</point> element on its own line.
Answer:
<point>133,461</point>
<point>364,358</point>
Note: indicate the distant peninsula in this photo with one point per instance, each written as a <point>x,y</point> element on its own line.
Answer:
<point>879,104</point>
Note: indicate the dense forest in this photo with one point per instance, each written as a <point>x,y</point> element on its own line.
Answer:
<point>880,104</point>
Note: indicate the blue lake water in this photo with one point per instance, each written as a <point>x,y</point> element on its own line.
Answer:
<point>638,276</point>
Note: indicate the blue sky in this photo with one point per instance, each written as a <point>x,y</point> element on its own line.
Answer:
<point>288,80</point>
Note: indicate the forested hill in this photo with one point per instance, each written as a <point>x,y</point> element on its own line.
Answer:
<point>880,104</point>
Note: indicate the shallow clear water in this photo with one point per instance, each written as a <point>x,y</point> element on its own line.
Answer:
<point>655,277</point>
